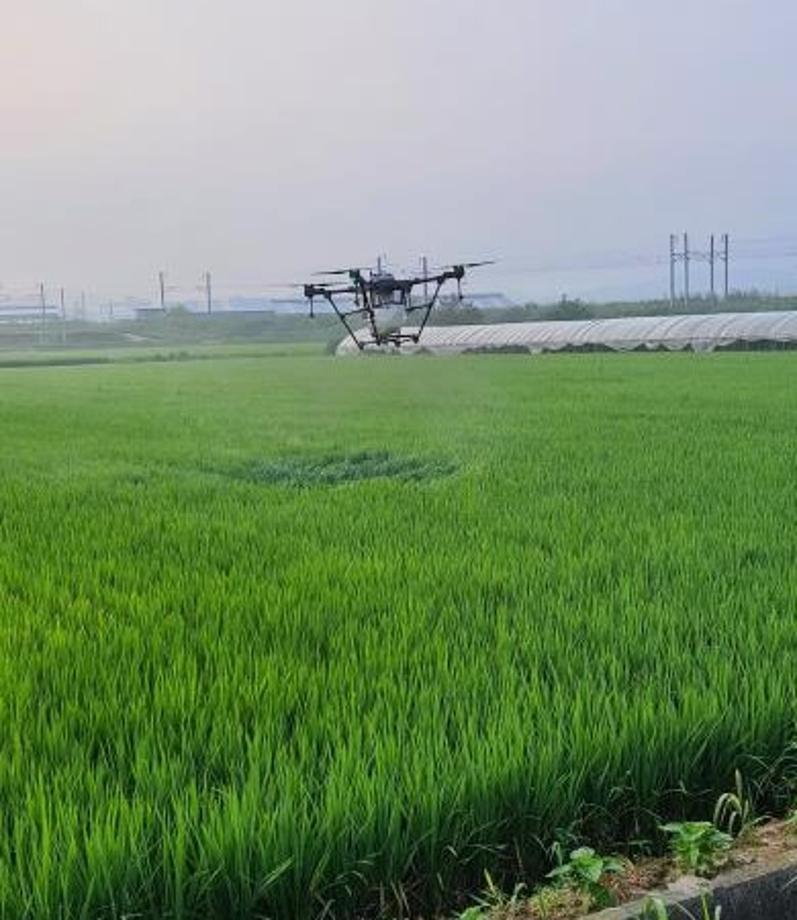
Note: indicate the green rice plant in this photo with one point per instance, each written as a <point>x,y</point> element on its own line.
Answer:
<point>340,469</point>
<point>226,696</point>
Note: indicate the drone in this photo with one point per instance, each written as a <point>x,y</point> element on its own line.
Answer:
<point>374,290</point>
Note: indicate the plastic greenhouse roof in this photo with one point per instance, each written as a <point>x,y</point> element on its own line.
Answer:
<point>698,332</point>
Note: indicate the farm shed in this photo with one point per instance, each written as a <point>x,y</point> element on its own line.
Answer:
<point>698,332</point>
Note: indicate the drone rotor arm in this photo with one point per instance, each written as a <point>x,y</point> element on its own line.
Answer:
<point>376,291</point>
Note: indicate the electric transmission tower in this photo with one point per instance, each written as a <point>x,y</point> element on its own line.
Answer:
<point>685,257</point>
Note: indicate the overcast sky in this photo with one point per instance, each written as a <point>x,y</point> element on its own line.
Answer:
<point>261,139</point>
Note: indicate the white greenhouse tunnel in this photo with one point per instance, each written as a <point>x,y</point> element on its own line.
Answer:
<point>699,332</point>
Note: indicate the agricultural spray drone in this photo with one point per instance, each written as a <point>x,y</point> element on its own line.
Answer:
<point>375,290</point>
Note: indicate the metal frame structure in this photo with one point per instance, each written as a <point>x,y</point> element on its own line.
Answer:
<point>687,255</point>
<point>379,290</point>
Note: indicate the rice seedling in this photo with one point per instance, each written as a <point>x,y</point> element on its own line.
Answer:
<point>229,696</point>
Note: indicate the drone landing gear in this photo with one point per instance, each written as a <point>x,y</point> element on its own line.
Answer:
<point>372,335</point>
<point>381,290</point>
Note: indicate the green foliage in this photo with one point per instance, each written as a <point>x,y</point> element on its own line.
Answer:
<point>338,469</point>
<point>494,900</point>
<point>568,308</point>
<point>735,811</point>
<point>698,846</point>
<point>224,699</point>
<point>586,870</point>
<point>655,909</point>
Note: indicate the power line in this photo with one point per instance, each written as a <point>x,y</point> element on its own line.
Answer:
<point>684,256</point>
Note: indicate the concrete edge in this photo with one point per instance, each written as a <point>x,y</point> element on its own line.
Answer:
<point>765,890</point>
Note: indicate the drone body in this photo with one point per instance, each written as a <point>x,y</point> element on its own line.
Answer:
<point>376,291</point>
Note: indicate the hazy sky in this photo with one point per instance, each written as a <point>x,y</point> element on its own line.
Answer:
<point>261,139</point>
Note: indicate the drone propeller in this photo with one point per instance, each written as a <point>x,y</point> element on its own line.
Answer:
<point>345,271</point>
<point>468,264</point>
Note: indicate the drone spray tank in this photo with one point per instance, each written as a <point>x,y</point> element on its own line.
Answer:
<point>378,301</point>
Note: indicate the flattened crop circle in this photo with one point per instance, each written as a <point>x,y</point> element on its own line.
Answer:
<point>337,469</point>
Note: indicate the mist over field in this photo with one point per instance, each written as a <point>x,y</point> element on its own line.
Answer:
<point>358,597</point>
<point>263,140</point>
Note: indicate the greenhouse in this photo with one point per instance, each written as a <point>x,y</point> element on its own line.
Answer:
<point>699,332</point>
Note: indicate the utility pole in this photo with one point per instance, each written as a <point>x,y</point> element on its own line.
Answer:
<point>672,271</point>
<point>686,269</point>
<point>711,265</point>
<point>686,256</point>
<point>162,286</point>
<point>379,265</point>
<point>208,293</point>
<point>83,305</point>
<point>425,269</point>
<point>43,304</point>
<point>725,247</point>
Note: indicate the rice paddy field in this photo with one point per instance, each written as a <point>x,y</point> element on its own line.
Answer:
<point>291,636</point>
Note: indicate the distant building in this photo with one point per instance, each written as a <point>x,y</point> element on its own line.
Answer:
<point>266,305</point>
<point>234,305</point>
<point>28,314</point>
